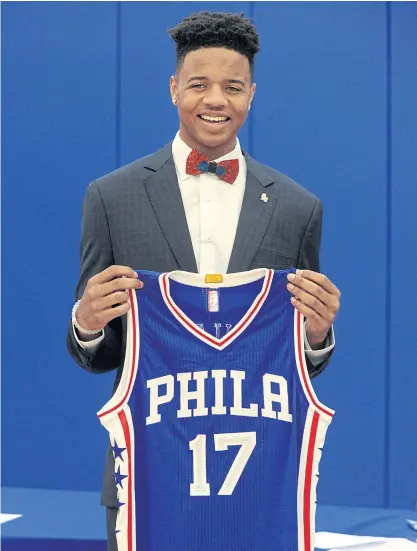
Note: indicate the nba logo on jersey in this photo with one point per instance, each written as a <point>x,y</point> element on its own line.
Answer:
<point>215,427</point>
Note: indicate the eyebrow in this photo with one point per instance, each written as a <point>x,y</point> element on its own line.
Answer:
<point>230,80</point>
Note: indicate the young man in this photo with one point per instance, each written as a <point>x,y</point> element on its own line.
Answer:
<point>177,209</point>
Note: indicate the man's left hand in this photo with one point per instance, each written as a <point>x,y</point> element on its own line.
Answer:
<point>318,300</point>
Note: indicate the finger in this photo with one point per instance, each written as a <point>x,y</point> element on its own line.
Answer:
<point>113,313</point>
<point>113,271</point>
<point>301,284</point>
<point>114,298</point>
<point>330,302</point>
<point>314,304</point>
<point>309,313</point>
<point>122,283</point>
<point>100,312</point>
<point>116,285</point>
<point>319,279</point>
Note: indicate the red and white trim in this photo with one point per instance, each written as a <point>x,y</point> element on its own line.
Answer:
<point>317,421</point>
<point>303,370</point>
<point>116,417</point>
<point>126,537</point>
<point>315,429</point>
<point>229,280</point>
<point>121,431</point>
<point>124,389</point>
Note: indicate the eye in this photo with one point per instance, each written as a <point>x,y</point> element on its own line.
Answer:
<point>196,85</point>
<point>233,89</point>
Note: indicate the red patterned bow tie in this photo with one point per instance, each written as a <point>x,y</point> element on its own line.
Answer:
<point>225,170</point>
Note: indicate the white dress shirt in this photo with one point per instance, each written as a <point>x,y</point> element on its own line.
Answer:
<point>212,208</point>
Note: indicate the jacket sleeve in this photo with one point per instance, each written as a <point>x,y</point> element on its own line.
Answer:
<point>96,255</point>
<point>308,259</point>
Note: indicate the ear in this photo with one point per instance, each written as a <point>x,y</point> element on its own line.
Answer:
<point>173,88</point>
<point>252,93</point>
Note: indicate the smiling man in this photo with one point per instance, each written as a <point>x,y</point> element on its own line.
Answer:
<point>213,89</point>
<point>200,204</point>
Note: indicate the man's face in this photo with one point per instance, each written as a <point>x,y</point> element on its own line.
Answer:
<point>212,82</point>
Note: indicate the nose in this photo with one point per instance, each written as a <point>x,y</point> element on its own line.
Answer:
<point>214,97</point>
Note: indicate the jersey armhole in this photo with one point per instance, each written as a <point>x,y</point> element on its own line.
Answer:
<point>130,365</point>
<point>304,377</point>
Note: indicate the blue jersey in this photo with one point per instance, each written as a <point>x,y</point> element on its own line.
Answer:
<point>215,427</point>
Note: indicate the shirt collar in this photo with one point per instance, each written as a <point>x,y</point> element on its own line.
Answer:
<point>180,152</point>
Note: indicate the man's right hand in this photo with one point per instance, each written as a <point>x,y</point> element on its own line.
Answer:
<point>103,292</point>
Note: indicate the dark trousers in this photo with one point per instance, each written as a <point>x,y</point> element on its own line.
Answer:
<point>111,514</point>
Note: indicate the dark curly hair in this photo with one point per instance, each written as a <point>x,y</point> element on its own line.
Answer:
<point>215,29</point>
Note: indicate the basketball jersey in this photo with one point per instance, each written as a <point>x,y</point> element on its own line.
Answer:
<point>215,428</point>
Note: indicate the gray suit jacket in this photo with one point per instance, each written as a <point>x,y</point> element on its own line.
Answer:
<point>135,217</point>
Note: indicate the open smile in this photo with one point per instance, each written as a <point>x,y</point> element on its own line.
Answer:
<point>221,120</point>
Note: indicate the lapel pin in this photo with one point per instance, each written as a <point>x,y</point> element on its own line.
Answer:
<point>264,197</point>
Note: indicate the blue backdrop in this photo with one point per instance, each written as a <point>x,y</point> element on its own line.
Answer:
<point>85,90</point>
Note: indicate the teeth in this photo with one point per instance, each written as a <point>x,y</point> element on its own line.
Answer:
<point>213,119</point>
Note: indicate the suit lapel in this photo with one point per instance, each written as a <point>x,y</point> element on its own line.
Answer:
<point>165,197</point>
<point>254,216</point>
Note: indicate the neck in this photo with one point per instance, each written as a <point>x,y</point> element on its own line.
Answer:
<point>210,152</point>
